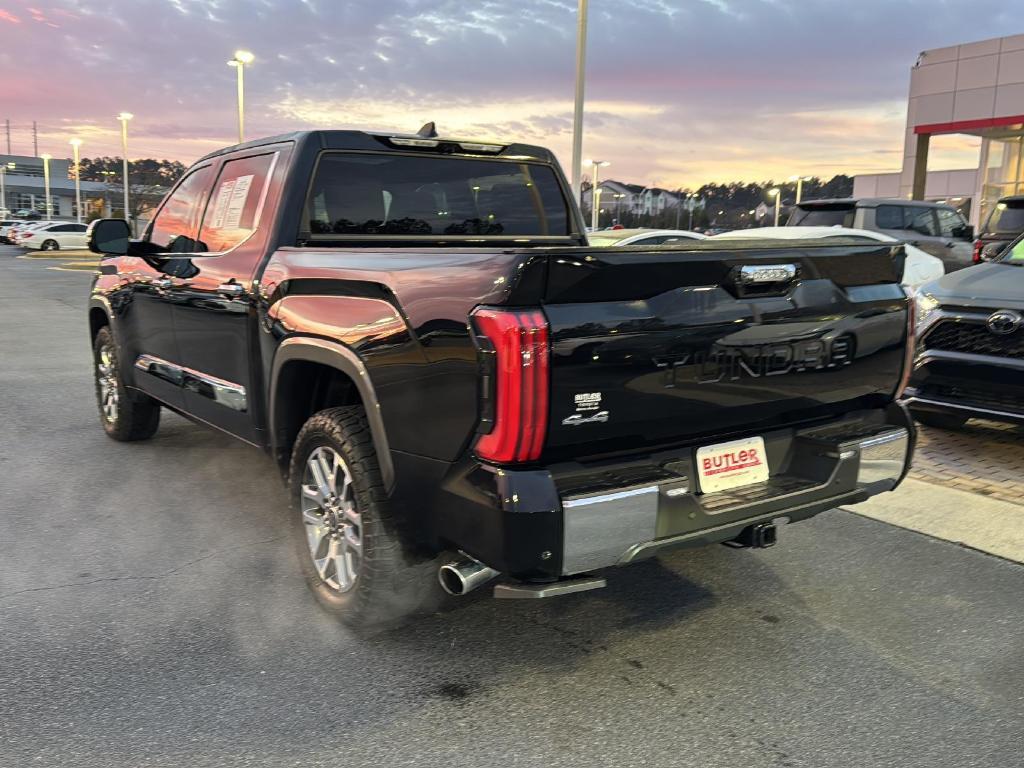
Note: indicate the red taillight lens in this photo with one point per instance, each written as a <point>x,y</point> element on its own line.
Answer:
<point>911,352</point>
<point>518,341</point>
<point>978,245</point>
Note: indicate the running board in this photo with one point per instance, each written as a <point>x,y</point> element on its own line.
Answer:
<point>536,591</point>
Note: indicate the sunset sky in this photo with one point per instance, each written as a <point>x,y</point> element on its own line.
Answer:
<point>679,92</point>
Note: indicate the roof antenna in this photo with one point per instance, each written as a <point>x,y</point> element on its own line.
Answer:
<point>428,131</point>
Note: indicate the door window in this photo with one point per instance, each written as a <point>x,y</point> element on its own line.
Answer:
<point>232,213</point>
<point>950,222</point>
<point>174,228</point>
<point>907,217</point>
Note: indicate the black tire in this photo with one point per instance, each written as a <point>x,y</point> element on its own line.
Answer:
<point>51,245</point>
<point>392,582</point>
<point>940,420</point>
<point>135,416</point>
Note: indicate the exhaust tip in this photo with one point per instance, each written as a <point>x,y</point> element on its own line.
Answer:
<point>451,581</point>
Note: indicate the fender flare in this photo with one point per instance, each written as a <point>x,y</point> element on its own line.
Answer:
<point>343,359</point>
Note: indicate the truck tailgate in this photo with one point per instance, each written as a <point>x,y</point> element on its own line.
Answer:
<point>672,345</point>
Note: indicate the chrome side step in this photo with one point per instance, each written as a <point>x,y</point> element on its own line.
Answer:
<point>528,591</point>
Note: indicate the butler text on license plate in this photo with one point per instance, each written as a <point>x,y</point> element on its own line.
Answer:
<point>730,465</point>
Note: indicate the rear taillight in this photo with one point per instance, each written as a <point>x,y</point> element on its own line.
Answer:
<point>911,351</point>
<point>978,246</point>
<point>514,343</point>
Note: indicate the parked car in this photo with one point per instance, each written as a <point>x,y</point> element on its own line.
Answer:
<point>54,236</point>
<point>918,266</point>
<point>970,348</point>
<point>619,237</point>
<point>5,224</point>
<point>459,388</point>
<point>1004,224</point>
<point>933,227</point>
<point>19,228</point>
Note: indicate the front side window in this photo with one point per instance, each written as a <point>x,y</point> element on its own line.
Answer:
<point>232,213</point>
<point>950,222</point>
<point>399,195</point>
<point>912,218</point>
<point>174,228</point>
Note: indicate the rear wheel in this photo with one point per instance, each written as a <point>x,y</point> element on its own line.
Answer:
<point>125,415</point>
<point>345,530</point>
<point>940,420</point>
<point>51,245</point>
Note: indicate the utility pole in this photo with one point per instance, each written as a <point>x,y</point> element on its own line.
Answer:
<point>35,140</point>
<point>577,116</point>
<point>8,126</point>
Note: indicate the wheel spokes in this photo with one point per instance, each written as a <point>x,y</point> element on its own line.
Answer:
<point>333,523</point>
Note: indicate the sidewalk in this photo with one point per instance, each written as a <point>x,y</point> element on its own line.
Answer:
<point>981,522</point>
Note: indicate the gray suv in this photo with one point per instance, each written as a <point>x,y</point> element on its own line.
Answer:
<point>938,229</point>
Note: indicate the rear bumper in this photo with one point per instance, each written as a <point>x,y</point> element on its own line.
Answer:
<point>576,518</point>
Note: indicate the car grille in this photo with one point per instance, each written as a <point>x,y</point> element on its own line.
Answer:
<point>950,336</point>
<point>985,398</point>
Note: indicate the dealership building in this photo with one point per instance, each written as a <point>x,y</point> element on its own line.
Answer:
<point>975,89</point>
<point>24,188</point>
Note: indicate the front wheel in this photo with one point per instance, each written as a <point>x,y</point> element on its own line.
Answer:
<point>126,416</point>
<point>51,245</point>
<point>345,530</point>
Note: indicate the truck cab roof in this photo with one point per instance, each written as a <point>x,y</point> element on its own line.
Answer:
<point>396,141</point>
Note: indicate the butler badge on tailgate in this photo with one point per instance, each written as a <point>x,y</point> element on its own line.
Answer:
<point>588,410</point>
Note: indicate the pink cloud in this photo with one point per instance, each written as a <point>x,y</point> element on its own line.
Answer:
<point>9,17</point>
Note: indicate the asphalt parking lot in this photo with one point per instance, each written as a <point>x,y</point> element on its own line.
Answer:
<point>151,615</point>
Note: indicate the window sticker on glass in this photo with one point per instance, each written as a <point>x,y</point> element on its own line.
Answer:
<point>239,196</point>
<point>220,207</point>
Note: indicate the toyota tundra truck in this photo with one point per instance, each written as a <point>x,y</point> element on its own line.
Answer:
<point>458,390</point>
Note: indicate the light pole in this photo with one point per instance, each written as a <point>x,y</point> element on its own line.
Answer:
<point>577,116</point>
<point>618,202</point>
<point>238,62</point>
<point>799,186</point>
<point>595,192</point>
<point>46,184</point>
<point>777,194</point>
<point>75,144</point>
<point>3,186</point>
<point>124,117</point>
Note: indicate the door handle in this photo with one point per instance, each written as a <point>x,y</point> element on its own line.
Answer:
<point>163,282</point>
<point>231,290</point>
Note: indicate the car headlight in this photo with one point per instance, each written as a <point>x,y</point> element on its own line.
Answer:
<point>927,308</point>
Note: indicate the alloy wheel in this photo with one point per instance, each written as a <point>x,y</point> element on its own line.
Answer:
<point>334,531</point>
<point>106,375</point>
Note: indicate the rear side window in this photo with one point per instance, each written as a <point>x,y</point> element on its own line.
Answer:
<point>950,222</point>
<point>823,216</point>
<point>1006,218</point>
<point>174,228</point>
<point>232,213</point>
<point>401,195</point>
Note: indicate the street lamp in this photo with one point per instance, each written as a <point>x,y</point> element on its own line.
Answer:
<point>124,117</point>
<point>238,62</point>
<point>577,115</point>
<point>46,184</point>
<point>777,194</point>
<point>3,186</point>
<point>75,144</point>
<point>596,193</point>
<point>799,186</point>
<point>618,202</point>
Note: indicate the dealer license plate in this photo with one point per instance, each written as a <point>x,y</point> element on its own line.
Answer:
<point>732,465</point>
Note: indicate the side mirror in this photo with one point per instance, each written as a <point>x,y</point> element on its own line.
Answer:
<point>109,237</point>
<point>964,232</point>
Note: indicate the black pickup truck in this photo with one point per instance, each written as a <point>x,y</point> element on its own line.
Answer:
<point>458,389</point>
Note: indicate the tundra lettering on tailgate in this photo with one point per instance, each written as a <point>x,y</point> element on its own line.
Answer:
<point>734,363</point>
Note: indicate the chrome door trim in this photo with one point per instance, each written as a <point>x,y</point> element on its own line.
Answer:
<point>224,392</point>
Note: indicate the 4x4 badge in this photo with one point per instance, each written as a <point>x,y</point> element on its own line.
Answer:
<point>1005,321</point>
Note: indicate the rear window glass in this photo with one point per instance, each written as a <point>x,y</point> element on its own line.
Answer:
<point>1006,217</point>
<point>390,194</point>
<point>822,217</point>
